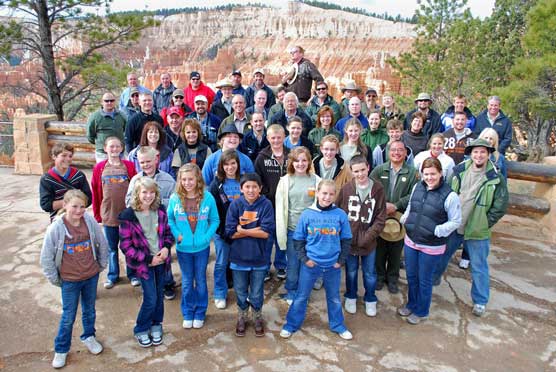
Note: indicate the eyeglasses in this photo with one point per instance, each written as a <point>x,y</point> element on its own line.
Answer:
<point>294,51</point>
<point>109,100</point>
<point>322,88</point>
<point>178,97</point>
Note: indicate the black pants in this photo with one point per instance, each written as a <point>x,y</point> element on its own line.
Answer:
<point>388,256</point>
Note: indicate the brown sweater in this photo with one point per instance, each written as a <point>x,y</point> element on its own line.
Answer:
<point>366,218</point>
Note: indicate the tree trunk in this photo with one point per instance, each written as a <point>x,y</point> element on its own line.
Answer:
<point>48,63</point>
<point>539,131</point>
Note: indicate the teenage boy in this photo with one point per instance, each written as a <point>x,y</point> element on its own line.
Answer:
<point>249,223</point>
<point>364,202</point>
<point>394,129</point>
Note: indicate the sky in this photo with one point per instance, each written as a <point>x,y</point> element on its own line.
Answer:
<point>405,8</point>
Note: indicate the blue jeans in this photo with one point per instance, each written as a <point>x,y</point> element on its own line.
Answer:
<point>292,270</point>
<point>478,256</point>
<point>280,261</point>
<point>113,238</point>
<point>249,284</point>
<point>220,266</point>
<point>151,312</point>
<point>298,309</point>
<point>369,276</point>
<point>71,291</point>
<point>194,291</point>
<point>419,268</point>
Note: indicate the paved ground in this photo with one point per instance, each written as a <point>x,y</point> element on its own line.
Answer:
<point>517,334</point>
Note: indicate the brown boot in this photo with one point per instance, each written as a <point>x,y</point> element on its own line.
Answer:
<point>241,324</point>
<point>259,323</point>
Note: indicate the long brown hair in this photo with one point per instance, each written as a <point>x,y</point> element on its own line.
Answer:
<point>294,154</point>
<point>361,147</point>
<point>224,158</point>
<point>199,188</point>
<point>322,111</point>
<point>161,135</point>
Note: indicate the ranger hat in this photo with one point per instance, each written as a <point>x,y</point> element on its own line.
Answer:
<point>479,142</point>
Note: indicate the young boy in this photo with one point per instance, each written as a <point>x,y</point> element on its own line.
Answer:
<point>364,202</point>
<point>394,128</point>
<point>322,240</point>
<point>249,222</point>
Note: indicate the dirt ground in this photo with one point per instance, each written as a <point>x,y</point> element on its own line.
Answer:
<point>518,332</point>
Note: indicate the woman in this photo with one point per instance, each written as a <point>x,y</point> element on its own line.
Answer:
<point>433,213</point>
<point>192,150</point>
<point>153,135</point>
<point>499,161</point>
<point>330,165</point>
<point>352,144</point>
<point>374,135</point>
<point>436,150</point>
<point>323,127</point>
<point>414,138</point>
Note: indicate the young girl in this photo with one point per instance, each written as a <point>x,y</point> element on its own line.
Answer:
<point>352,144</point>
<point>193,219</point>
<point>323,240</point>
<point>225,189</point>
<point>295,192</point>
<point>146,239</point>
<point>436,151</point>
<point>109,183</point>
<point>323,127</point>
<point>330,165</point>
<point>73,253</point>
<point>295,137</point>
<point>192,150</point>
<point>154,136</point>
<point>249,222</point>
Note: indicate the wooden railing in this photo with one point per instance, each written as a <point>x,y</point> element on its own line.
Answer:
<point>76,134</point>
<point>530,205</point>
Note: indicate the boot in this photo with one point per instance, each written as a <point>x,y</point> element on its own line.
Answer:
<point>259,323</point>
<point>241,324</point>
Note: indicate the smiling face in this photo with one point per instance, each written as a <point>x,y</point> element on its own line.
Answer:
<point>178,100</point>
<point>195,83</point>
<point>132,80</point>
<point>230,168</point>
<point>147,164</point>
<point>322,91</point>
<point>113,148</point>
<point>360,172</point>
<point>326,195</point>
<point>258,80</point>
<point>354,106</point>
<point>326,120</point>
<point>328,150</point>
<point>174,122</point>
<point>493,107</point>
<point>62,161</point>
<point>301,164</point>
<point>353,132</point>
<point>236,80</point>
<point>374,121</point>
<point>260,98</point>
<point>280,96</point>
<point>459,104</point>
<point>416,125</point>
<point>257,121</point>
<point>146,102</point>
<point>146,197</point>
<point>191,135</point>
<point>230,141</point>
<point>423,104</point>
<point>75,209</point>
<point>227,92</point>
<point>394,134</point>
<point>276,140</point>
<point>165,80</point>
<point>153,136</point>
<point>201,107</point>
<point>295,128</point>
<point>251,191</point>
<point>238,103</point>
<point>188,182</point>
<point>387,101</point>
<point>397,153</point>
<point>108,102</point>
<point>459,122</point>
<point>479,156</point>
<point>290,103</point>
<point>436,146</point>
<point>432,177</point>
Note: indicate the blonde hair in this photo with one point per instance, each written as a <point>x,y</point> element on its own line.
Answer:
<point>361,147</point>
<point>491,133</point>
<point>330,138</point>
<point>324,182</point>
<point>73,194</point>
<point>199,188</point>
<point>149,184</point>
<point>294,154</point>
<point>275,128</point>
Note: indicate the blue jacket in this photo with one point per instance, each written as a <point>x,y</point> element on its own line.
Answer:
<point>340,124</point>
<point>447,119</point>
<point>211,165</point>
<point>280,118</point>
<point>250,251</point>
<point>250,145</point>
<point>502,126</point>
<point>162,97</point>
<point>207,223</point>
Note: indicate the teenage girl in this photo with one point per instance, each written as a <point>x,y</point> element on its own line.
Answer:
<point>352,144</point>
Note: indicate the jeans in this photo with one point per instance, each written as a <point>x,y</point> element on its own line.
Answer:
<point>419,268</point>
<point>292,270</point>
<point>220,266</point>
<point>113,238</point>
<point>298,309</point>
<point>151,312</point>
<point>280,261</point>
<point>367,264</point>
<point>71,291</point>
<point>249,284</point>
<point>388,256</point>
<point>194,291</point>
<point>169,281</point>
<point>478,256</point>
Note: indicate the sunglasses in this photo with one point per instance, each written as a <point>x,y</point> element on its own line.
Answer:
<point>178,97</point>
<point>109,100</point>
<point>195,79</point>
<point>135,95</point>
<point>422,100</point>
<point>322,88</point>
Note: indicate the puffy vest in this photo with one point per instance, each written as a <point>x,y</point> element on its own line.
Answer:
<point>427,211</point>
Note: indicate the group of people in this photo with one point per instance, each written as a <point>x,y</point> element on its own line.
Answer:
<point>276,178</point>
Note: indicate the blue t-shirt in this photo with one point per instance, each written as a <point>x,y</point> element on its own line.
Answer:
<point>288,143</point>
<point>232,189</point>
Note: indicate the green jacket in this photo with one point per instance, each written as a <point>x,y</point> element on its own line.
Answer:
<point>313,109</point>
<point>406,179</point>
<point>316,135</point>
<point>491,201</point>
<point>100,127</point>
<point>374,138</point>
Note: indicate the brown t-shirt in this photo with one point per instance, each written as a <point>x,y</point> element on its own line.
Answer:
<point>192,210</point>
<point>115,182</point>
<point>78,262</point>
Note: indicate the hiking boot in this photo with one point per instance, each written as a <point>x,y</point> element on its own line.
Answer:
<point>393,288</point>
<point>259,323</point>
<point>241,324</point>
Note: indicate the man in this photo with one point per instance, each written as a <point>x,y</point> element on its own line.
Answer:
<point>458,137</point>
<point>320,99</point>
<point>432,125</point>
<point>389,110</point>
<point>173,129</point>
<point>132,82</point>
<point>132,106</point>
<point>291,109</point>
<point>237,88</point>
<point>371,97</point>
<point>460,105</point>
<point>209,122</point>
<point>223,107</point>
<point>136,123</point>
<point>197,88</point>
<point>148,160</point>
<point>279,105</point>
<point>254,140</point>
<point>349,91</point>
<point>483,195</point>
<point>354,108</point>
<point>163,93</point>
<point>394,130</point>
<point>300,79</point>
<point>239,117</point>
<point>104,123</point>
<point>260,104</point>
<point>493,117</point>
<point>258,84</point>
<point>398,179</point>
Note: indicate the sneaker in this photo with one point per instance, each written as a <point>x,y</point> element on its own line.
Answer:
<point>144,340</point>
<point>187,324</point>
<point>59,360</point>
<point>220,303</point>
<point>404,311</point>
<point>414,319</point>
<point>285,333</point>
<point>318,284</point>
<point>379,285</point>
<point>350,305</point>
<point>393,288</point>
<point>479,310</point>
<point>92,345</point>
<point>108,284</point>
<point>281,274</point>
<point>169,293</point>
<point>135,282</point>
<point>198,323</point>
<point>346,335</point>
<point>259,327</point>
<point>267,277</point>
<point>464,264</point>
<point>370,308</point>
<point>156,335</point>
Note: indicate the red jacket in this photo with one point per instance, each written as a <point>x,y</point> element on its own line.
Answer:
<point>203,90</point>
<point>96,184</point>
